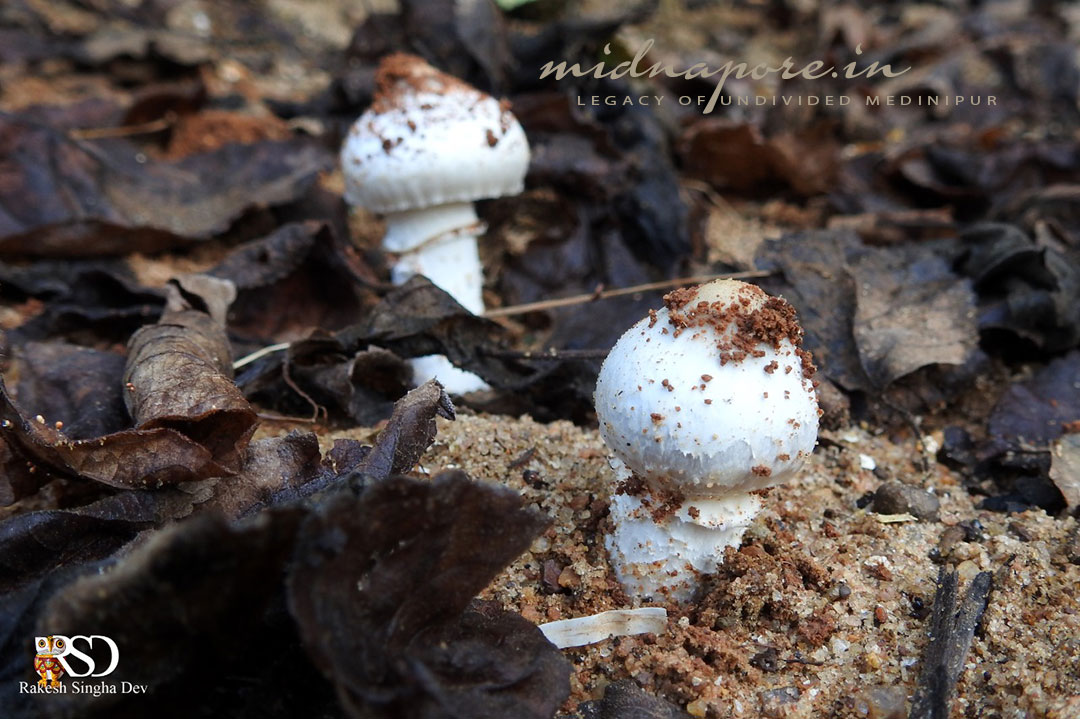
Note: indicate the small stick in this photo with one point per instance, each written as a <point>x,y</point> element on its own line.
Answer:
<point>607,294</point>
<point>98,133</point>
<point>553,354</point>
<point>260,353</point>
<point>550,354</point>
<point>951,630</point>
<point>275,417</point>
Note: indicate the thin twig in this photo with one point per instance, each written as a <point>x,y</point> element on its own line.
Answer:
<point>607,294</point>
<point>275,417</point>
<point>287,377</point>
<point>145,128</point>
<point>550,354</point>
<point>259,354</point>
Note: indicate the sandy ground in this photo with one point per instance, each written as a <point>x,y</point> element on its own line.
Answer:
<point>823,611</point>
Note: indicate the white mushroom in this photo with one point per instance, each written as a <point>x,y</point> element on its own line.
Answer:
<point>702,403</point>
<point>426,149</point>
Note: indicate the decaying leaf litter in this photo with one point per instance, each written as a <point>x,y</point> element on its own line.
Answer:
<point>170,205</point>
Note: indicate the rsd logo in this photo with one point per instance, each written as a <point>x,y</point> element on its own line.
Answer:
<point>53,652</point>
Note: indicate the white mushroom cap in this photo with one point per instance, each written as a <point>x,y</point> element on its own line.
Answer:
<point>711,394</point>
<point>430,139</point>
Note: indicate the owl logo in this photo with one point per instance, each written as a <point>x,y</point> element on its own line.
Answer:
<point>47,660</point>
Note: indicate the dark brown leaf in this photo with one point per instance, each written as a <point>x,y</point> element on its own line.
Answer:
<point>380,587</point>
<point>76,386</point>
<point>277,469</point>
<point>1026,290</point>
<point>409,432</point>
<point>190,591</point>
<point>1028,417</point>
<point>814,281</point>
<point>626,700</point>
<point>418,319</point>
<point>129,460</point>
<point>738,157</point>
<point>93,302</point>
<point>363,387</point>
<point>42,551</point>
<point>36,543</point>
<point>293,280</point>
<point>1034,411</point>
<point>911,311</point>
<point>66,197</point>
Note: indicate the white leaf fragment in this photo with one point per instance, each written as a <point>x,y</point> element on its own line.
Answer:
<point>580,631</point>
<point>1065,468</point>
<point>895,518</point>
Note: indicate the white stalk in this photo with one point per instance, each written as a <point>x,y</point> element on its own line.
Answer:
<point>440,243</point>
<point>665,559</point>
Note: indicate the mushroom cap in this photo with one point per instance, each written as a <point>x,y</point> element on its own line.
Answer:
<point>710,394</point>
<point>430,139</point>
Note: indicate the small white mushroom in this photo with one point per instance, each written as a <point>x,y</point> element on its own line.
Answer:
<point>702,403</point>
<point>427,148</point>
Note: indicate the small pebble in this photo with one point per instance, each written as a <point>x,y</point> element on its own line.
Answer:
<point>774,702</point>
<point>880,702</point>
<point>1072,547</point>
<point>697,708</point>
<point>898,498</point>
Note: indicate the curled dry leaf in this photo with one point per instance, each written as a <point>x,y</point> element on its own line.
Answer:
<point>277,469</point>
<point>179,373</point>
<point>363,387</point>
<point>409,432</point>
<point>192,421</point>
<point>130,459</point>
<point>419,319</point>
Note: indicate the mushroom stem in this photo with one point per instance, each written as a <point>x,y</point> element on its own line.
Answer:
<point>664,554</point>
<point>440,243</point>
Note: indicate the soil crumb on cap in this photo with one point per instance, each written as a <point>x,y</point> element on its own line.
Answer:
<point>401,74</point>
<point>743,325</point>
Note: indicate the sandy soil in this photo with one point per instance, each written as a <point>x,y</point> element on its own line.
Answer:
<point>823,611</point>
